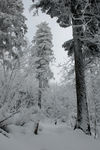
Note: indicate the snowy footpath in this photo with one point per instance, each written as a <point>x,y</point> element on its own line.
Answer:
<point>50,138</point>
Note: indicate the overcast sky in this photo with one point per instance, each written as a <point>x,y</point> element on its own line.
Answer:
<point>60,35</point>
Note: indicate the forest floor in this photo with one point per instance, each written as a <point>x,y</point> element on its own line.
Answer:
<point>51,137</point>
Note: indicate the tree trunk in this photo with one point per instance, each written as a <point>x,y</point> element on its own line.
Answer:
<point>40,93</point>
<point>39,103</point>
<point>94,93</point>
<point>36,129</point>
<point>82,121</point>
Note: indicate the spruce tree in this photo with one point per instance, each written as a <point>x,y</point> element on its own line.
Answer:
<point>43,54</point>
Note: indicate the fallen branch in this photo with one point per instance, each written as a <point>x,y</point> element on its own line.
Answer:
<point>4,133</point>
<point>7,118</point>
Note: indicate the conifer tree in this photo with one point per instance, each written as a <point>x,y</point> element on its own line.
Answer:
<point>42,51</point>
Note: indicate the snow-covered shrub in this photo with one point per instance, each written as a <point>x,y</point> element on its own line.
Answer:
<point>23,117</point>
<point>59,102</point>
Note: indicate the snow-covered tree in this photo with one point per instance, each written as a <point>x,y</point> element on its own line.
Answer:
<point>12,32</point>
<point>12,28</point>
<point>93,88</point>
<point>43,54</point>
<point>83,16</point>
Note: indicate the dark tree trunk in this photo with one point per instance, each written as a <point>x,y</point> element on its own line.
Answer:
<point>40,93</point>
<point>82,121</point>
<point>36,129</point>
<point>39,103</point>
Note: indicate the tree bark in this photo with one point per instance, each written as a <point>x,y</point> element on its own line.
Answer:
<point>36,129</point>
<point>40,92</point>
<point>82,121</point>
<point>39,103</point>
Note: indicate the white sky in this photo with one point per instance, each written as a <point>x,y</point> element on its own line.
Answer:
<point>60,35</point>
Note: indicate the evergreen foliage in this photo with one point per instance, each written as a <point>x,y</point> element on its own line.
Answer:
<point>12,27</point>
<point>42,51</point>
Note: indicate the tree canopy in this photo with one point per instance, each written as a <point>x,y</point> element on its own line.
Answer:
<point>12,27</point>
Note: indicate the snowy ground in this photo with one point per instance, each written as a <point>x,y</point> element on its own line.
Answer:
<point>50,138</point>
